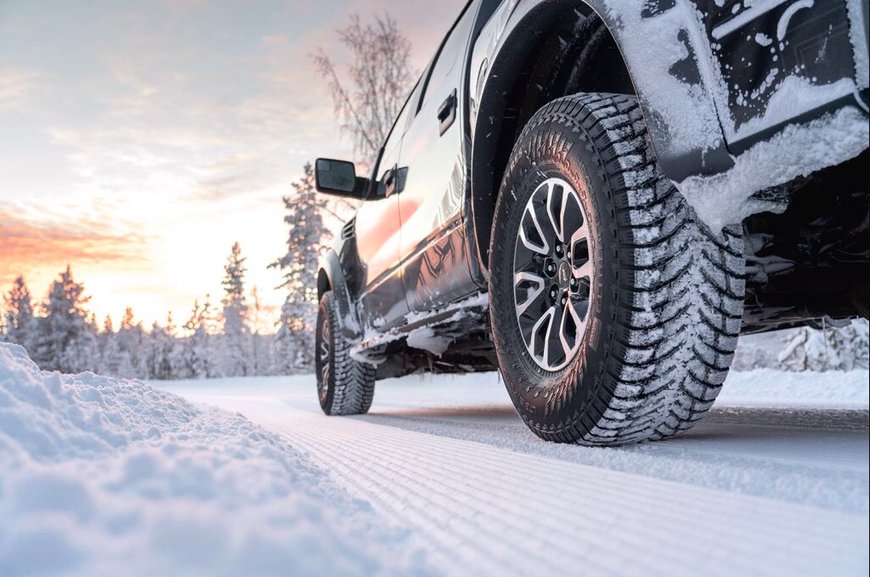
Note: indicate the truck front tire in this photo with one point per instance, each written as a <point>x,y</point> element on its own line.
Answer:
<point>344,385</point>
<point>615,312</point>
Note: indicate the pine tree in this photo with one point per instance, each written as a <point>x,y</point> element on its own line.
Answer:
<point>235,350</point>
<point>158,358</point>
<point>110,350</point>
<point>177,351</point>
<point>235,307</point>
<point>65,340</point>
<point>305,242</point>
<point>198,360</point>
<point>20,321</point>
<point>131,339</point>
<point>127,321</point>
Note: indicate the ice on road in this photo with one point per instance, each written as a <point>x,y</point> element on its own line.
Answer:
<point>773,482</point>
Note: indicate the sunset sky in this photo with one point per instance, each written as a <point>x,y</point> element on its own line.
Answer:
<point>141,139</point>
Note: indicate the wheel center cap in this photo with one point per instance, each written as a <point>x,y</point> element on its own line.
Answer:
<point>563,274</point>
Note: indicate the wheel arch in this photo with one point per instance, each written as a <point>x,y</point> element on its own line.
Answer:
<point>331,277</point>
<point>544,49</point>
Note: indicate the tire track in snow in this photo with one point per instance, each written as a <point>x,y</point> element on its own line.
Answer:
<point>488,511</point>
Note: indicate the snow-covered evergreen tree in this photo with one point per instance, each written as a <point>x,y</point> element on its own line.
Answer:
<point>109,353</point>
<point>235,350</point>
<point>177,353</point>
<point>131,339</point>
<point>197,353</point>
<point>65,340</point>
<point>19,317</point>
<point>235,311</point>
<point>305,242</point>
<point>158,355</point>
<point>833,348</point>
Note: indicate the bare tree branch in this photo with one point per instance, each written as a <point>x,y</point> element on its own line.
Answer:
<point>369,96</point>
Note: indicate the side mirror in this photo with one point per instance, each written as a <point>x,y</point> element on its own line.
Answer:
<point>338,177</point>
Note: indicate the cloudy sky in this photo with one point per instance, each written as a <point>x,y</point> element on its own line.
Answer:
<point>140,139</point>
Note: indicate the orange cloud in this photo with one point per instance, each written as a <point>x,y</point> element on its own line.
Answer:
<point>29,245</point>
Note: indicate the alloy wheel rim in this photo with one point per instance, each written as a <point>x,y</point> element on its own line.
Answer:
<point>553,272</point>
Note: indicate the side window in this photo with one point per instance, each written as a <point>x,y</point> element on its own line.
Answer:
<point>451,56</point>
<point>414,100</point>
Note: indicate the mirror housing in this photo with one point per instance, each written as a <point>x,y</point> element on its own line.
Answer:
<point>338,177</point>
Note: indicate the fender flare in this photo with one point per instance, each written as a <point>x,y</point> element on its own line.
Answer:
<point>330,276</point>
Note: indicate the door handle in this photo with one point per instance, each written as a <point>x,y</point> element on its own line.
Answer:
<point>447,113</point>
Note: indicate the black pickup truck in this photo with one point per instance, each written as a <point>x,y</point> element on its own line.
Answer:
<point>596,197</point>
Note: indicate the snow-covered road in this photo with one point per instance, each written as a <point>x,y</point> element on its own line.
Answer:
<point>774,482</point>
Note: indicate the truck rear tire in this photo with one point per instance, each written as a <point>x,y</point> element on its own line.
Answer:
<point>615,311</point>
<point>344,385</point>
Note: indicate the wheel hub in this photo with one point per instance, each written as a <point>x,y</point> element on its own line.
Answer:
<point>553,274</point>
<point>564,274</point>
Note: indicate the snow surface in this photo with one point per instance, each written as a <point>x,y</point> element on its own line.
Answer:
<point>103,476</point>
<point>775,478</point>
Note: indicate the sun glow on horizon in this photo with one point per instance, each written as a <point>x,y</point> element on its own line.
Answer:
<point>140,142</point>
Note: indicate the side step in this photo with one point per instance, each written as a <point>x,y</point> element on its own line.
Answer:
<point>451,321</point>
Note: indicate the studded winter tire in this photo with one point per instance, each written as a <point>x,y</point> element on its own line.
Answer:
<point>615,312</point>
<point>344,386</point>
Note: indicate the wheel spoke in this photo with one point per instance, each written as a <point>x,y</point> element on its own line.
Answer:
<point>584,270</point>
<point>556,223</point>
<point>531,294</point>
<point>570,314</point>
<point>567,199</point>
<point>579,234</point>
<point>540,249</point>
<point>547,318</point>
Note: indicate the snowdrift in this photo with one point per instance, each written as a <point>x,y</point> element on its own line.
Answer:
<point>102,476</point>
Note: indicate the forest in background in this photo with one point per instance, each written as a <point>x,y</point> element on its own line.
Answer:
<point>215,340</point>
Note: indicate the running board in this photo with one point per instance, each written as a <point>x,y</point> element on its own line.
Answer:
<point>453,320</point>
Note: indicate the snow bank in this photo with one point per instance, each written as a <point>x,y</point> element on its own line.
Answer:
<point>101,476</point>
<point>772,388</point>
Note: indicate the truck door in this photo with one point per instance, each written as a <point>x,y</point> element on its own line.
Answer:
<point>434,166</point>
<point>382,300</point>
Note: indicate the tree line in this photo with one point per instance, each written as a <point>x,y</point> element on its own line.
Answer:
<point>221,340</point>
